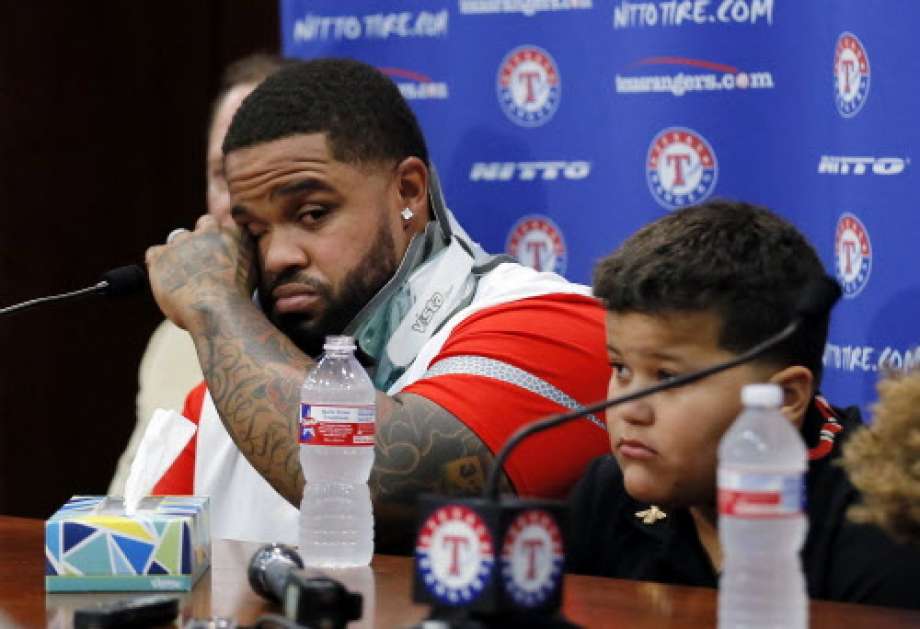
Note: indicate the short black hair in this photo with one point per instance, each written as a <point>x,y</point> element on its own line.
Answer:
<point>741,261</point>
<point>362,112</point>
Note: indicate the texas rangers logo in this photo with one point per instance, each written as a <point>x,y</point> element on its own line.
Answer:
<point>528,86</point>
<point>454,555</point>
<point>853,254</point>
<point>538,243</point>
<point>851,75</point>
<point>681,168</point>
<point>532,558</point>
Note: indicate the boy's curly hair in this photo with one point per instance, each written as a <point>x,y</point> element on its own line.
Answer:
<point>883,460</point>
<point>744,262</point>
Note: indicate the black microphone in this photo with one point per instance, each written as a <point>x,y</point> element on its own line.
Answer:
<point>269,569</point>
<point>276,573</point>
<point>493,562</point>
<point>817,299</point>
<point>125,280</point>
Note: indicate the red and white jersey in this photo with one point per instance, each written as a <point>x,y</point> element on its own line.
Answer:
<point>529,345</point>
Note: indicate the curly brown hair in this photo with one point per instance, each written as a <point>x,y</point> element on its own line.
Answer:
<point>883,460</point>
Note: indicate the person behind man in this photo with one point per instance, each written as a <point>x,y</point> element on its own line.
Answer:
<point>694,288</point>
<point>883,460</point>
<point>342,228</point>
<point>169,367</point>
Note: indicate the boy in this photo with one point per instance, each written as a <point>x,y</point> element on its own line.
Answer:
<point>694,288</point>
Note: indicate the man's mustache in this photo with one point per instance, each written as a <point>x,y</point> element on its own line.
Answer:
<point>295,277</point>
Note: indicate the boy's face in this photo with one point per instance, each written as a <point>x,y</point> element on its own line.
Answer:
<point>666,444</point>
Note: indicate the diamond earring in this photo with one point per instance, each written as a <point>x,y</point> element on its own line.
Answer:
<point>407,214</point>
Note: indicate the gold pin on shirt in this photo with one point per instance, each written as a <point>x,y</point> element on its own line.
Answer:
<point>651,515</point>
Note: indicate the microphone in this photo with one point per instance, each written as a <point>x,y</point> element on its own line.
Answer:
<point>124,280</point>
<point>498,562</point>
<point>276,573</point>
<point>817,299</point>
<point>269,569</point>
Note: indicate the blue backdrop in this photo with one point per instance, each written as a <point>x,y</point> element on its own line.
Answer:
<point>561,126</point>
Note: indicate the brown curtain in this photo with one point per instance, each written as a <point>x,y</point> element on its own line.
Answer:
<point>103,107</point>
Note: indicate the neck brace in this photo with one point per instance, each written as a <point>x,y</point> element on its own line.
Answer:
<point>436,278</point>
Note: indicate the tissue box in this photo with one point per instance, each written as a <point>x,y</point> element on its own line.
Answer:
<point>91,545</point>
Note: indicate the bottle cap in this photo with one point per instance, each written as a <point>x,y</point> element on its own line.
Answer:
<point>341,343</point>
<point>762,395</point>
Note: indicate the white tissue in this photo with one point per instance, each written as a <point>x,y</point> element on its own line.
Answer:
<point>166,436</point>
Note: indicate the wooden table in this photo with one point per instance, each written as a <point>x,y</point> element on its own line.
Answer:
<point>224,591</point>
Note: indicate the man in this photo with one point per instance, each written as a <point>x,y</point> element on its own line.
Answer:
<point>169,367</point>
<point>341,227</point>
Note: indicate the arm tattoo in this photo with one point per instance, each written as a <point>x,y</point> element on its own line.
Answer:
<point>253,370</point>
<point>254,373</point>
<point>421,448</point>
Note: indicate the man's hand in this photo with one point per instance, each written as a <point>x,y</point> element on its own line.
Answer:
<point>212,265</point>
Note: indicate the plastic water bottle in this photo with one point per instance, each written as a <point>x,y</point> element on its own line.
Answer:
<point>337,413</point>
<point>761,478</point>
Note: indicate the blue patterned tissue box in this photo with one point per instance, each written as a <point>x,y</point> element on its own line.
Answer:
<point>91,545</point>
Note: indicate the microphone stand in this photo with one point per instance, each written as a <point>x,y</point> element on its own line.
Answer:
<point>123,280</point>
<point>95,288</point>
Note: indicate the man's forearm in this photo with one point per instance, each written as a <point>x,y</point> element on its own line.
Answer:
<point>202,281</point>
<point>254,373</point>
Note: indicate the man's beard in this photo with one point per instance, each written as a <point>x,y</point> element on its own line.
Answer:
<point>359,286</point>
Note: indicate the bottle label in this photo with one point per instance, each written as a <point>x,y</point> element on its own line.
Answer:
<point>337,425</point>
<point>757,496</point>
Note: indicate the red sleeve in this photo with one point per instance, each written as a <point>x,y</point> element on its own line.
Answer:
<point>558,338</point>
<point>179,479</point>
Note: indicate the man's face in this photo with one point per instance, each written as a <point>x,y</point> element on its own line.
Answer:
<point>328,233</point>
<point>218,194</point>
<point>666,444</point>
